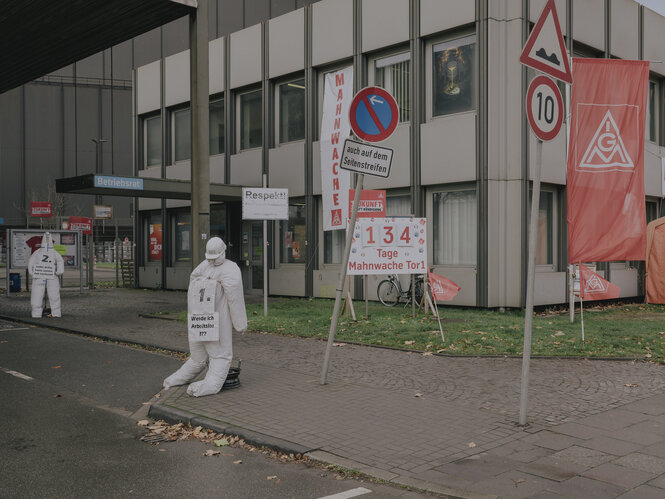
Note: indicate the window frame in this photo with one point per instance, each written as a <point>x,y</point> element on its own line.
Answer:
<point>429,73</point>
<point>554,229</point>
<point>239,120</point>
<point>214,99</point>
<point>172,111</point>
<point>430,192</point>
<point>371,76</point>
<point>144,139</point>
<point>277,233</point>
<point>278,109</point>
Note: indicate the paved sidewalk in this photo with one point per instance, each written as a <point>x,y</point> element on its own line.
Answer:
<point>444,424</point>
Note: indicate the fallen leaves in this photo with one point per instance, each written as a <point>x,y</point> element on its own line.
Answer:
<point>472,445</point>
<point>211,452</point>
<point>631,385</point>
<point>221,442</point>
<point>239,461</point>
<point>419,395</point>
<point>409,342</point>
<point>56,367</point>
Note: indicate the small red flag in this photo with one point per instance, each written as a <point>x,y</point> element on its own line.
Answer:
<point>442,289</point>
<point>594,287</point>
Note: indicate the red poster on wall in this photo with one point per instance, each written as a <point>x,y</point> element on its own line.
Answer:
<point>155,246</point>
<point>41,209</point>
<point>84,224</point>
<point>606,210</point>
<point>372,203</point>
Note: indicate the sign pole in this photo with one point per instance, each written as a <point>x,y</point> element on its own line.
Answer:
<point>265,257</point>
<point>342,278</point>
<point>531,278</point>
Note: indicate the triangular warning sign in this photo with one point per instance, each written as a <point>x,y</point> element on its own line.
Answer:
<point>545,50</point>
<point>606,151</point>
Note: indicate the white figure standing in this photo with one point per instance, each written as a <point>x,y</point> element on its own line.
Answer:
<point>214,286</point>
<point>45,265</point>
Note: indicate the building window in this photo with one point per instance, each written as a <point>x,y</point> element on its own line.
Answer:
<point>333,246</point>
<point>292,235</point>
<point>292,111</point>
<point>182,134</point>
<point>152,141</point>
<point>545,238</point>
<point>154,237</point>
<point>217,127</point>
<point>392,73</point>
<point>455,227</point>
<point>398,206</point>
<point>251,129</point>
<point>653,111</point>
<point>453,80</point>
<point>183,232</point>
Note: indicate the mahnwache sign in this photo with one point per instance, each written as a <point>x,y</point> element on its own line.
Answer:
<point>265,204</point>
<point>363,158</point>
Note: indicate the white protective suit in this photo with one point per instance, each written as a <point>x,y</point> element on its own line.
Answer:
<point>230,304</point>
<point>45,265</point>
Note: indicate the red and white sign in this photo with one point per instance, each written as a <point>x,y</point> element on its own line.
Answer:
<point>443,289</point>
<point>374,114</point>
<point>389,246</point>
<point>544,50</point>
<point>155,243</point>
<point>372,203</point>
<point>544,108</point>
<point>335,128</point>
<point>83,224</point>
<point>606,211</point>
<point>41,209</point>
<point>594,287</point>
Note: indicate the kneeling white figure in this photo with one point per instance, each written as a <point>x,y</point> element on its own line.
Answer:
<point>216,305</point>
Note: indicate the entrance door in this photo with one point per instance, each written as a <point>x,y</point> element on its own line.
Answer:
<point>252,256</point>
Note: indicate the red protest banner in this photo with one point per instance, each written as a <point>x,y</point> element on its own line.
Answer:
<point>594,287</point>
<point>372,203</point>
<point>84,224</point>
<point>606,211</point>
<point>41,209</point>
<point>443,289</point>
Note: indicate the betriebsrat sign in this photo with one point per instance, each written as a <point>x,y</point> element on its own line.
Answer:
<point>260,203</point>
<point>119,182</point>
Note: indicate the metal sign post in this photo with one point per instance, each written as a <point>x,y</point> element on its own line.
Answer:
<point>342,278</point>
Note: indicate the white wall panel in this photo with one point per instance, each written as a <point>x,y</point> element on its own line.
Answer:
<point>216,60</point>
<point>150,276</point>
<point>385,22</point>
<point>550,288</point>
<point>624,33</point>
<point>652,170</point>
<point>332,30</point>
<point>537,6</point>
<point>246,168</point>
<point>626,279</point>
<point>246,56</point>
<point>217,169</point>
<point>287,281</point>
<point>400,170</point>
<point>177,277</point>
<point>176,81</point>
<point>440,15</point>
<point>148,94</point>
<point>553,167</point>
<point>448,149</point>
<point>316,167</point>
<point>326,281</point>
<point>287,168</point>
<point>180,171</point>
<point>654,41</point>
<point>589,23</point>
<point>465,278</point>
<point>287,43</point>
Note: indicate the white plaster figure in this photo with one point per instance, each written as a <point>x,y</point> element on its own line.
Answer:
<point>218,281</point>
<point>45,265</point>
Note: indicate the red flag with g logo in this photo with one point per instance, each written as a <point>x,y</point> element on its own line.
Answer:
<point>606,211</point>
<point>594,287</point>
<point>442,289</point>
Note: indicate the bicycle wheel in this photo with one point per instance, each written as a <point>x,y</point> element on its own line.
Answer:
<point>419,291</point>
<point>388,293</point>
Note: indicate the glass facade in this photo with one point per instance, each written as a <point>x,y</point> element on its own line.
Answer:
<point>251,129</point>
<point>455,228</point>
<point>292,235</point>
<point>152,141</point>
<point>392,73</point>
<point>217,127</point>
<point>182,135</point>
<point>292,111</point>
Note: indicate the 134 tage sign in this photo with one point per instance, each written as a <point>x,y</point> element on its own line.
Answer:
<point>389,246</point>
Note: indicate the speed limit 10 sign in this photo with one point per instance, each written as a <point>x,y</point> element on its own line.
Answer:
<point>544,108</point>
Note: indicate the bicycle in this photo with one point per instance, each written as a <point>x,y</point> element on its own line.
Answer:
<point>390,290</point>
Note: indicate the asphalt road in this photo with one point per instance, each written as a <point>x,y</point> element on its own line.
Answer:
<point>68,413</point>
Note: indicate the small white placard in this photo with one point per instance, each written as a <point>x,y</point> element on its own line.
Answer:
<point>203,327</point>
<point>260,203</point>
<point>367,159</point>
<point>45,268</point>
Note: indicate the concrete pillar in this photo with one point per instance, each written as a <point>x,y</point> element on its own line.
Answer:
<point>199,84</point>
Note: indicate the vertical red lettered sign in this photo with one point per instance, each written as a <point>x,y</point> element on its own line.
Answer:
<point>41,209</point>
<point>606,211</point>
<point>155,246</point>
